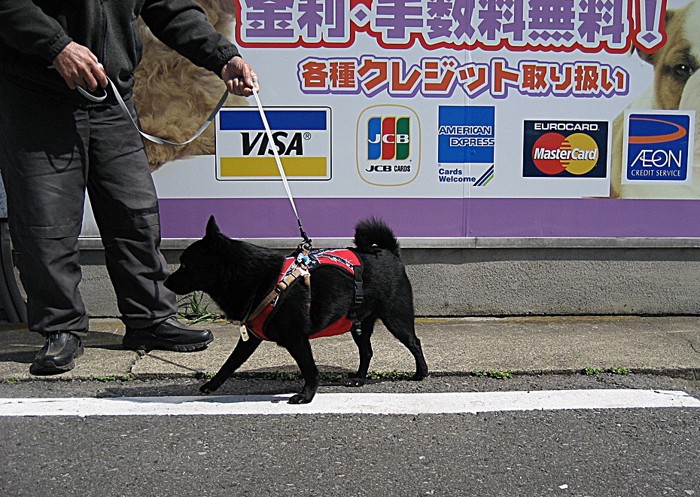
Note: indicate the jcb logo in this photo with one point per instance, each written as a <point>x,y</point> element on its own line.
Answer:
<point>388,145</point>
<point>388,138</point>
<point>259,143</point>
<point>379,168</point>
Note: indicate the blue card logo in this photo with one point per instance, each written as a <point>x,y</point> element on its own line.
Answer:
<point>466,134</point>
<point>659,147</point>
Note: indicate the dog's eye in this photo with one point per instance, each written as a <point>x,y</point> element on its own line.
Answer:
<point>683,70</point>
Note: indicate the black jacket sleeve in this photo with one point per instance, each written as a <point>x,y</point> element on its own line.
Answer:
<point>183,26</point>
<point>26,28</point>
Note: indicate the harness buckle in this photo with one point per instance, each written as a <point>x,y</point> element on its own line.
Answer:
<point>244,332</point>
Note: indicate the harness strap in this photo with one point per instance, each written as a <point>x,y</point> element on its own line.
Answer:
<point>279,288</point>
<point>359,291</point>
<point>359,298</point>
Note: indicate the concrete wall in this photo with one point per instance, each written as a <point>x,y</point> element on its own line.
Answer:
<point>496,277</point>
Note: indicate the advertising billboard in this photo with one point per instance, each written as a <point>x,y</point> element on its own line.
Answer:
<point>448,118</point>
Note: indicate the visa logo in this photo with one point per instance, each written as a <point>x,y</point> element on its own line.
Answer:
<point>388,138</point>
<point>259,143</point>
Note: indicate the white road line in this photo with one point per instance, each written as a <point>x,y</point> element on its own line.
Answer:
<point>349,403</point>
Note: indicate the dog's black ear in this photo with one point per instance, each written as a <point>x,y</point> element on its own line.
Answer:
<point>212,228</point>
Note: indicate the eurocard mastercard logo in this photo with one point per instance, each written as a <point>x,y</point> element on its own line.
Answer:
<point>555,153</point>
<point>565,149</point>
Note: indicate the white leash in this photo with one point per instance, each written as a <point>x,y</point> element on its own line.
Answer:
<point>205,125</point>
<point>154,139</point>
<point>279,165</point>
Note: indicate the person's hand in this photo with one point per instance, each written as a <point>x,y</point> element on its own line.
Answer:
<point>78,66</point>
<point>239,77</point>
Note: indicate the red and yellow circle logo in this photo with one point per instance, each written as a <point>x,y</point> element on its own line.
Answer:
<point>555,153</point>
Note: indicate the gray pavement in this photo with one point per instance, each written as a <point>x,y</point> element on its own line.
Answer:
<point>523,345</point>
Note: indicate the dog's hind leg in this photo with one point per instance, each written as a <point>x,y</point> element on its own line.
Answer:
<point>241,353</point>
<point>404,329</point>
<point>301,352</point>
<point>364,347</point>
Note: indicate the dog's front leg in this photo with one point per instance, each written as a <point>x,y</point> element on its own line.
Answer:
<point>301,352</point>
<point>240,354</point>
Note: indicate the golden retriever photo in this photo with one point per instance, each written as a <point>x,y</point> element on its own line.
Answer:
<point>174,97</point>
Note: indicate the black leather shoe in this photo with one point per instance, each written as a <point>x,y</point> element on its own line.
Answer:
<point>168,335</point>
<point>58,354</point>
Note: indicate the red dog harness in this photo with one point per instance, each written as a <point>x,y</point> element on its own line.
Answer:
<point>343,259</point>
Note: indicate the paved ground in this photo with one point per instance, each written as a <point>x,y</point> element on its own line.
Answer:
<point>663,345</point>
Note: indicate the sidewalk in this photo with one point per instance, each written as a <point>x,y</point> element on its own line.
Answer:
<point>665,345</point>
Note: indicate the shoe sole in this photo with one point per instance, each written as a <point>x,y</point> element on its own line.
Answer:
<point>132,344</point>
<point>50,368</point>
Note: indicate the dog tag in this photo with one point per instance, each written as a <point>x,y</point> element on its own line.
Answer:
<point>244,333</point>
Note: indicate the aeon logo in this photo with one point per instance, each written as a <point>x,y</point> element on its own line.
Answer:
<point>659,147</point>
<point>657,157</point>
<point>388,138</point>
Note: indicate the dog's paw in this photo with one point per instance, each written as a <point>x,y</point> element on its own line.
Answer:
<point>354,381</point>
<point>299,399</point>
<point>208,387</point>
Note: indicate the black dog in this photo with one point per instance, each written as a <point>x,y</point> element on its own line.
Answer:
<point>238,276</point>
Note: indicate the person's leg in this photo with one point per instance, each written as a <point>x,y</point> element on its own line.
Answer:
<point>125,205</point>
<point>124,202</point>
<point>43,162</point>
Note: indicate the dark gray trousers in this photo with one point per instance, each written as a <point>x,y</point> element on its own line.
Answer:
<point>50,154</point>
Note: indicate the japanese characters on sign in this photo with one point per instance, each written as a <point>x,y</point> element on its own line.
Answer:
<point>518,25</point>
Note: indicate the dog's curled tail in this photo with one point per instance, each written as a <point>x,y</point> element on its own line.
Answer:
<point>373,233</point>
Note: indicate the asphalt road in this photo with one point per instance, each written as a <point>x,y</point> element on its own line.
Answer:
<point>598,453</point>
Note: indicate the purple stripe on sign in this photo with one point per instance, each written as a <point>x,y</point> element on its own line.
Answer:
<point>322,218</point>
<point>582,218</point>
<point>434,217</point>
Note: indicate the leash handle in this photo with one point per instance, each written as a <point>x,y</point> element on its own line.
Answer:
<point>93,98</point>
<point>157,139</point>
